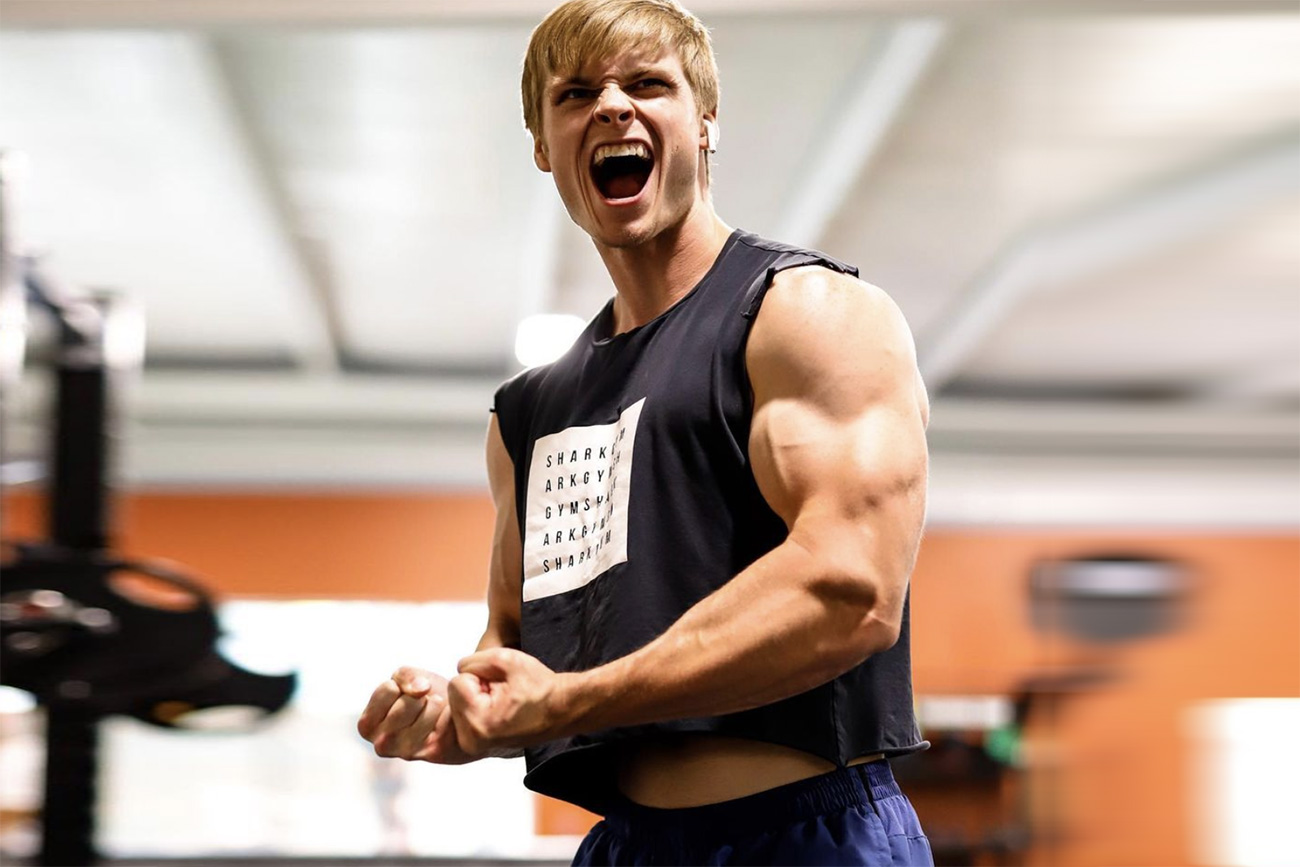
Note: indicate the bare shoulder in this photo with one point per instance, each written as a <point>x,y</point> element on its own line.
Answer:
<point>822,332</point>
<point>819,288</point>
<point>814,311</point>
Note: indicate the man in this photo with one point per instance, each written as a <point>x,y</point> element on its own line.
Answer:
<point>707,510</point>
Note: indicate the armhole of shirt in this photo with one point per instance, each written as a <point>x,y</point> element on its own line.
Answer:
<point>753,301</point>
<point>757,290</point>
<point>505,406</point>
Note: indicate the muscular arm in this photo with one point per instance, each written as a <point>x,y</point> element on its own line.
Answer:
<point>838,450</point>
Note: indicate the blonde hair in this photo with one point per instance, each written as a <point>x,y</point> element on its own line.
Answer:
<point>582,30</point>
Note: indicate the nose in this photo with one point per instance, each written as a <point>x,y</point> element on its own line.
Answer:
<point>614,107</point>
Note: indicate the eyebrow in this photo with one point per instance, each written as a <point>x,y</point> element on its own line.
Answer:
<point>578,80</point>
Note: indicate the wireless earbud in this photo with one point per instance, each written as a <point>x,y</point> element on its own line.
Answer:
<point>711,135</point>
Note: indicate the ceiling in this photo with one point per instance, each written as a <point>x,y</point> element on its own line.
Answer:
<point>328,212</point>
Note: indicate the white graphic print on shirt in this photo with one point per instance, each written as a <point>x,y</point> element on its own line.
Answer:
<point>576,516</point>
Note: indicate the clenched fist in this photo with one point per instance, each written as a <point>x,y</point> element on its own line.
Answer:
<point>504,699</point>
<point>408,717</point>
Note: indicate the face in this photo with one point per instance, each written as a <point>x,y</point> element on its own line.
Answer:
<point>622,137</point>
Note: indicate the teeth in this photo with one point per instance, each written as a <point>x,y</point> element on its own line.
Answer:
<point>622,149</point>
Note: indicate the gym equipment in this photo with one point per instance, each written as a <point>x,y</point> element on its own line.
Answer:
<point>1108,598</point>
<point>96,645</point>
<point>87,632</point>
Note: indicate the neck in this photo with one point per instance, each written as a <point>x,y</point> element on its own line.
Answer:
<point>651,277</point>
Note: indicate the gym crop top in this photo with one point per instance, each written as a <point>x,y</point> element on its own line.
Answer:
<point>635,500</point>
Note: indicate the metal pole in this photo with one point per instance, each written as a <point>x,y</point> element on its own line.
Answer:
<point>71,764</point>
<point>78,493</point>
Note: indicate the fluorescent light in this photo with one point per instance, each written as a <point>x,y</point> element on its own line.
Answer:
<point>545,337</point>
<point>16,701</point>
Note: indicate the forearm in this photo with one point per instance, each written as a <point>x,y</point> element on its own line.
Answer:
<point>502,631</point>
<point>499,633</point>
<point>786,624</point>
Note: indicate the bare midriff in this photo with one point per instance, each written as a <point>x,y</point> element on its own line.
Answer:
<point>690,770</point>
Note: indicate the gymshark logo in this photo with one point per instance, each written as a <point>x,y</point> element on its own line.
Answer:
<point>576,516</point>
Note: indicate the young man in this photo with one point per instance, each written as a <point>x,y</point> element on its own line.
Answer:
<point>707,510</point>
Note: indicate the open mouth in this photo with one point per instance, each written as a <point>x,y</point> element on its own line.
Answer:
<point>620,171</point>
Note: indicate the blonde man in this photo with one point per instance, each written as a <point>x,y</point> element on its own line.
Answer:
<point>707,511</point>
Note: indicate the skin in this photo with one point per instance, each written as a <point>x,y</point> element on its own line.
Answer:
<point>837,447</point>
<point>658,246</point>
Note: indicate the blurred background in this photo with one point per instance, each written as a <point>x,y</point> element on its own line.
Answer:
<point>326,221</point>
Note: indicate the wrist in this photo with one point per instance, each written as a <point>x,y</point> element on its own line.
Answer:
<point>569,704</point>
<point>580,696</point>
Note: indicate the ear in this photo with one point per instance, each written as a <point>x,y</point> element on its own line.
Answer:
<point>540,158</point>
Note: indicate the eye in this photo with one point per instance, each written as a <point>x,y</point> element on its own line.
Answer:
<point>571,93</point>
<point>651,84</point>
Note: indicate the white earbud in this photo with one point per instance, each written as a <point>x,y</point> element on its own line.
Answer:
<point>711,135</point>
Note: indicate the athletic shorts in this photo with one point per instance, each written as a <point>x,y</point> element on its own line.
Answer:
<point>855,815</point>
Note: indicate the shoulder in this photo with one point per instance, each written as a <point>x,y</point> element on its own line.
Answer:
<point>831,337</point>
<point>514,390</point>
<point>813,311</point>
<point>777,250</point>
<point>512,408</point>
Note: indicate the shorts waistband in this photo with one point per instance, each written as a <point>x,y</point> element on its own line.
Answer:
<point>854,786</point>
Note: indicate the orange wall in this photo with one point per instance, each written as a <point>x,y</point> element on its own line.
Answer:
<point>1114,763</point>
<point>1123,748</point>
<point>970,616</point>
<point>326,546</point>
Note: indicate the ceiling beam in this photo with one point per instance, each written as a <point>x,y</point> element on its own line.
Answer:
<point>1276,382</point>
<point>317,340</point>
<point>967,488</point>
<point>1117,428</point>
<point>216,402</point>
<point>137,13</point>
<point>874,97</point>
<point>1128,229</point>
<point>283,399</point>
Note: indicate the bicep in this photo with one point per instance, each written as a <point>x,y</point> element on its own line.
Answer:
<point>837,442</point>
<point>506,567</point>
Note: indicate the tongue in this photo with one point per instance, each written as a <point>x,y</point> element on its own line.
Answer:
<point>624,186</point>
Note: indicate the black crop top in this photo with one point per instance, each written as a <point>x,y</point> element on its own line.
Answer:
<point>636,499</point>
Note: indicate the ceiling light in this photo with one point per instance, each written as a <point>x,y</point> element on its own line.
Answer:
<point>545,337</point>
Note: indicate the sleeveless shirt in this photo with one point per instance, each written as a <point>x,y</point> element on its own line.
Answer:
<point>635,500</point>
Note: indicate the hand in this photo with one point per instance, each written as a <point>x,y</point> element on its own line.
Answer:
<point>504,699</point>
<point>408,717</point>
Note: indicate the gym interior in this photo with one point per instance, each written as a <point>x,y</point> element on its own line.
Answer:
<point>264,266</point>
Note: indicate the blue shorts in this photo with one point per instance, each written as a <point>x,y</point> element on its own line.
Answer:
<point>854,815</point>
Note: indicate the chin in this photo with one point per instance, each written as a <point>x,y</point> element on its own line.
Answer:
<point>627,238</point>
<point>623,235</point>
